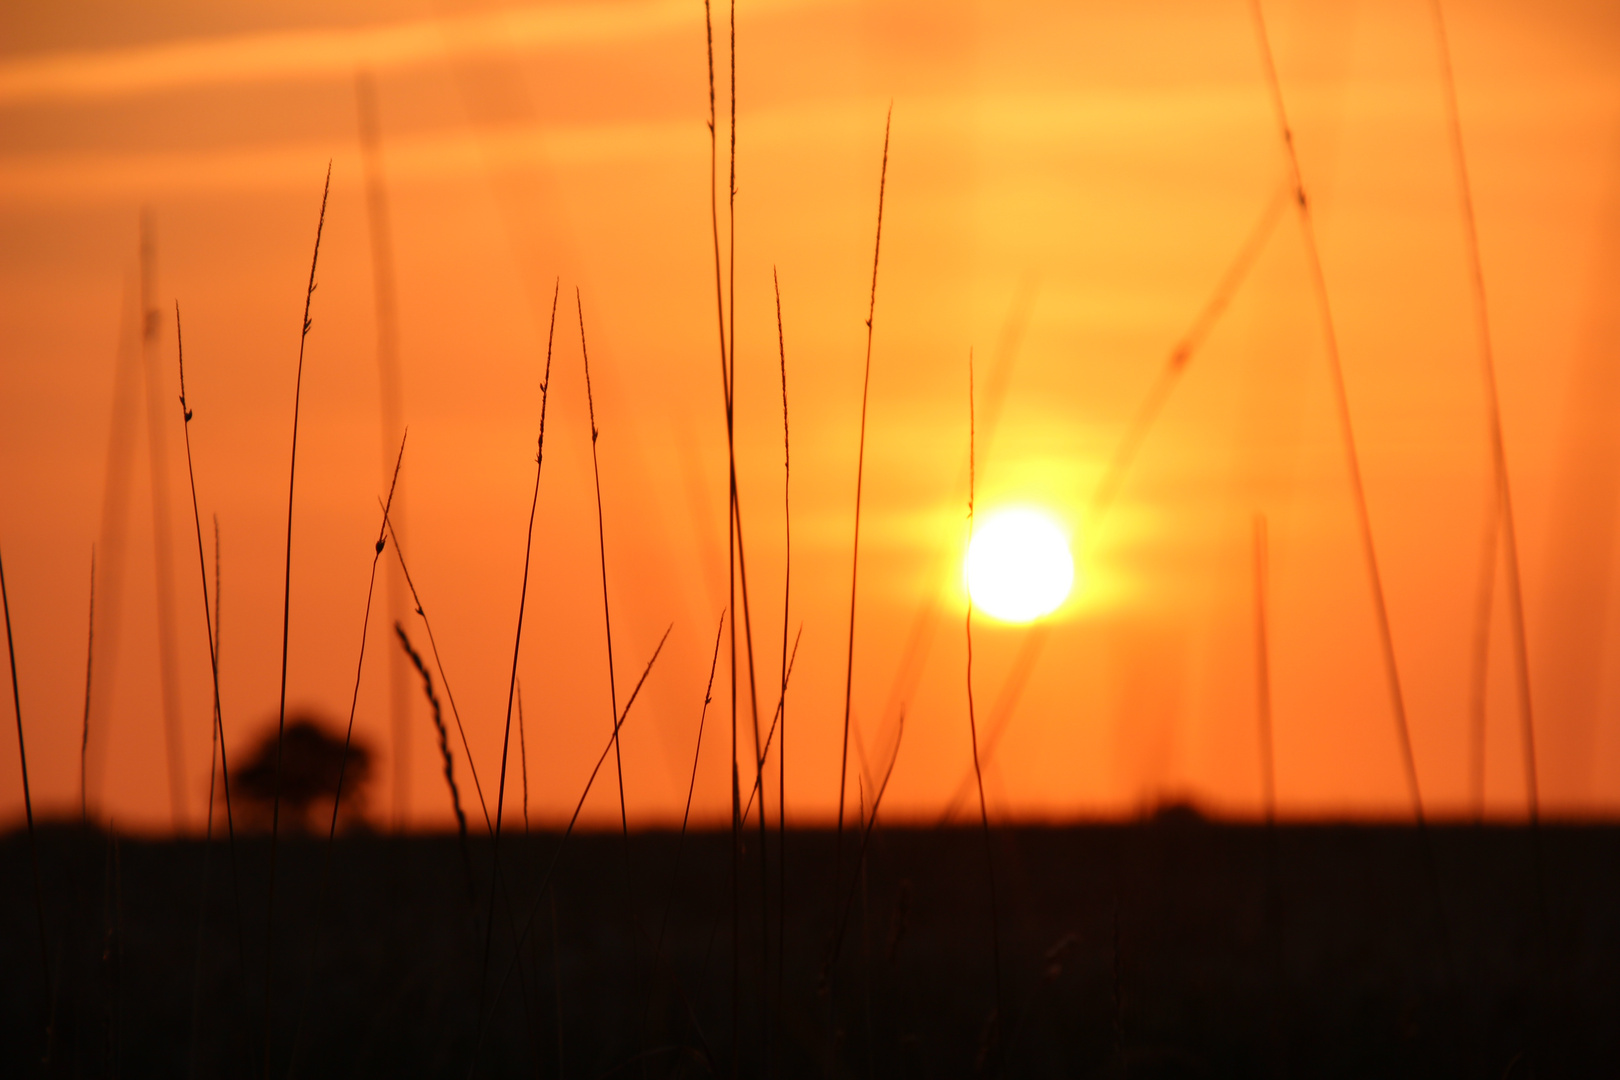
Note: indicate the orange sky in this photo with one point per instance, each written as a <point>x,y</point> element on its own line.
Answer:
<point>1066,185</point>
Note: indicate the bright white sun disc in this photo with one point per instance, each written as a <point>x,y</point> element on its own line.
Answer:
<point>1018,566</point>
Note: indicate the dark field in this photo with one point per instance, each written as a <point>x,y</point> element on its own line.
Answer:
<point>1170,948</point>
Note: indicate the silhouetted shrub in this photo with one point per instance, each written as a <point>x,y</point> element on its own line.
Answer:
<point>311,762</point>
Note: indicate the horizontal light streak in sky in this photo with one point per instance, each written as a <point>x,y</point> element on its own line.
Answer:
<point>334,51</point>
<point>1058,124</point>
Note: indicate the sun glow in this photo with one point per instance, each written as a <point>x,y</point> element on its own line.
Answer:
<point>1018,566</point>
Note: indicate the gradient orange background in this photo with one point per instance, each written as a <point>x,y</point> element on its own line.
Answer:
<point>1066,185</point>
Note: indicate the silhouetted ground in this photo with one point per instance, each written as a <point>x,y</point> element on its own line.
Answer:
<point>1170,948</point>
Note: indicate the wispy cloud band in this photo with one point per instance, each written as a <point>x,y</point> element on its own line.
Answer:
<point>331,51</point>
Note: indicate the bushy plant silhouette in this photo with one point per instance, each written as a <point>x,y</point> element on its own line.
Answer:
<point>311,763</point>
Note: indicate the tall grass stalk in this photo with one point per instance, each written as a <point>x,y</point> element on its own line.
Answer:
<point>742,560</point>
<point>1503,501</point>
<point>759,761</point>
<point>47,997</point>
<point>286,624</point>
<point>517,642</point>
<point>217,634</point>
<point>924,618</point>
<point>343,763</point>
<point>764,860</point>
<point>89,670</point>
<point>863,881</point>
<point>781,700</point>
<point>725,311</point>
<point>534,948</point>
<point>438,664</point>
<point>686,818</point>
<point>202,907</point>
<point>731,238</point>
<point>1001,714</point>
<point>770,733</point>
<point>523,758</point>
<point>444,747</point>
<point>225,778</point>
<point>607,609</point>
<point>725,363</point>
<point>607,622</point>
<point>731,399</point>
<point>973,730</point>
<point>714,214</point>
<point>1102,497</point>
<point>855,547</point>
<point>217,752</point>
<point>1330,341</point>
<point>734,554</point>
<point>724,339</point>
<point>556,855</point>
<point>866,837</point>
<point>210,622</point>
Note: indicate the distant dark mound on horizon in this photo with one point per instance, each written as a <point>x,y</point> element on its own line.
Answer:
<point>1178,814</point>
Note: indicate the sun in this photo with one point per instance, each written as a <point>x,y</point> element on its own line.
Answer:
<point>1018,566</point>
